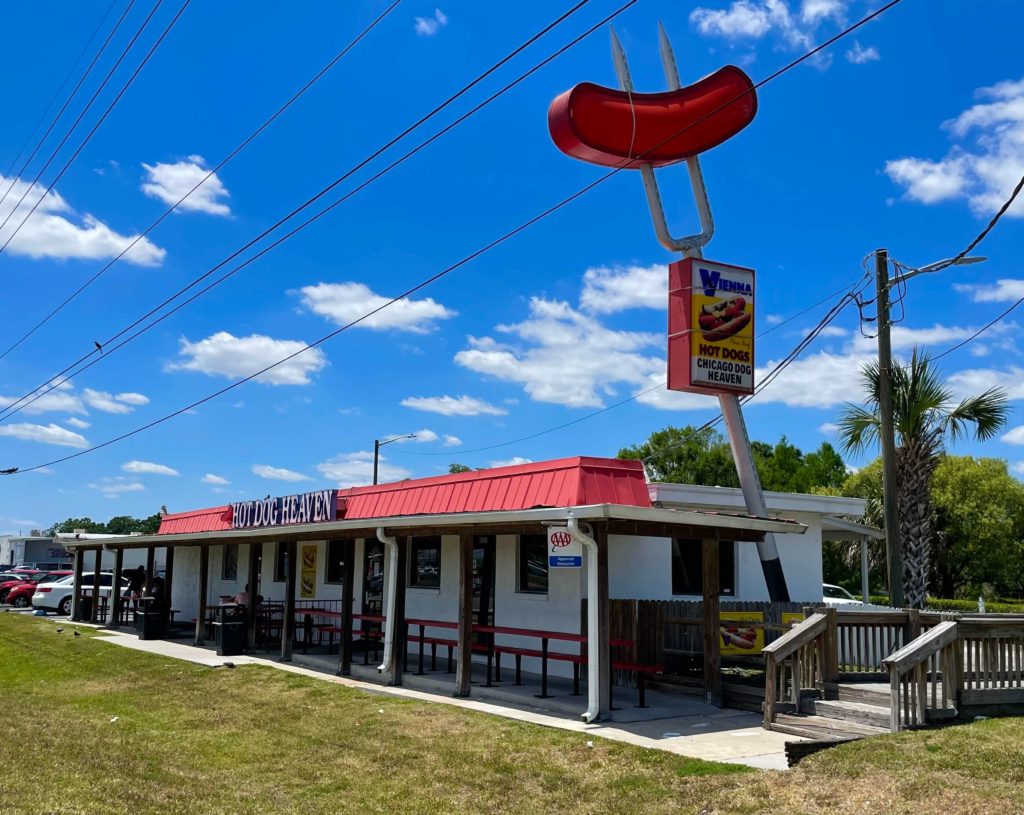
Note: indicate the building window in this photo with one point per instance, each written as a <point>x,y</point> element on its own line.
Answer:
<point>687,567</point>
<point>533,564</point>
<point>334,569</point>
<point>425,562</point>
<point>280,562</point>
<point>230,567</point>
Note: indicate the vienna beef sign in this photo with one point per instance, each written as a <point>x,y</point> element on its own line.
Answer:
<point>307,508</point>
<point>710,327</point>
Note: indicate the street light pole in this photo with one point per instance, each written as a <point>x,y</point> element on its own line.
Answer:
<point>377,444</point>
<point>893,545</point>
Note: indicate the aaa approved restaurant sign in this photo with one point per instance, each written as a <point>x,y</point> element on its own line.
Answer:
<point>710,327</point>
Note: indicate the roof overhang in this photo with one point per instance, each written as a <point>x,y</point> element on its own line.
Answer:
<point>617,518</point>
<point>839,529</point>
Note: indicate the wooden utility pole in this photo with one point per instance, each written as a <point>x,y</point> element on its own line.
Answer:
<point>893,545</point>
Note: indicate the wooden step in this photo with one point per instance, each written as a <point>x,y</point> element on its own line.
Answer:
<point>855,712</point>
<point>868,693</point>
<point>822,728</point>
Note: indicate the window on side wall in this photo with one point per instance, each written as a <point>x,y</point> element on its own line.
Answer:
<point>688,567</point>
<point>280,562</point>
<point>229,570</point>
<point>532,577</point>
<point>334,569</point>
<point>425,562</point>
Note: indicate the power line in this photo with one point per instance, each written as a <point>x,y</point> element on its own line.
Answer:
<point>102,118</point>
<point>57,93</point>
<point>63,108</point>
<point>465,260</point>
<point>245,143</point>
<point>105,349</point>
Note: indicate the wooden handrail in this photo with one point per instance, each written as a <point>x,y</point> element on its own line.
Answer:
<point>916,652</point>
<point>790,642</point>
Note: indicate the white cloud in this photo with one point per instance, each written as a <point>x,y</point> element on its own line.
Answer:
<point>1015,436</point>
<point>567,357</point>
<point>743,18</point>
<point>511,462</point>
<point>112,487</point>
<point>140,467</point>
<point>452,441</point>
<point>1018,467</point>
<point>342,303</point>
<point>218,480</point>
<point>171,182</point>
<point>76,423</point>
<point>222,354</point>
<point>661,398</point>
<point>55,230</point>
<point>773,319</point>
<point>453,405</point>
<point>356,469</point>
<point>833,331</point>
<point>61,399</point>
<point>108,403</point>
<point>1004,290</point>
<point>278,473</point>
<point>814,10</point>
<point>47,434</point>
<point>859,55</point>
<point>829,428</point>
<point>822,380</point>
<point>608,289</point>
<point>972,381</point>
<point>429,26</point>
<point>982,171</point>
<point>754,19</point>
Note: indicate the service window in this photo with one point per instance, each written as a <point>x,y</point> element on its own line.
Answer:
<point>533,564</point>
<point>280,562</point>
<point>334,569</point>
<point>229,570</point>
<point>688,564</point>
<point>425,562</point>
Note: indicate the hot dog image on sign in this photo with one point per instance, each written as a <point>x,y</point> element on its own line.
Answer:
<point>710,327</point>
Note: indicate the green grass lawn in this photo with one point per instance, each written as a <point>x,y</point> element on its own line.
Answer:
<point>190,739</point>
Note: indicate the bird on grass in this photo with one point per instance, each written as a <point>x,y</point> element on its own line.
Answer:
<point>77,634</point>
<point>229,664</point>
<point>60,630</point>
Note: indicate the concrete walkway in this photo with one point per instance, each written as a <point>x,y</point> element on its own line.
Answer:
<point>704,732</point>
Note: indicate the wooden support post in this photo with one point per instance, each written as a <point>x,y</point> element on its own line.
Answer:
<point>830,655</point>
<point>712,607</point>
<point>204,580</point>
<point>913,630</point>
<point>399,648</point>
<point>348,553</point>
<point>288,625</point>
<point>76,594</point>
<point>602,649</point>
<point>115,590</point>
<point>150,570</point>
<point>96,569</point>
<point>252,577</point>
<point>464,668</point>
<point>168,585</point>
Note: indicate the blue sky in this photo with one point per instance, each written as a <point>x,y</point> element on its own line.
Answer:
<point>906,135</point>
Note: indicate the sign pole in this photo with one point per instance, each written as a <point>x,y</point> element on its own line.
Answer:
<point>736,428</point>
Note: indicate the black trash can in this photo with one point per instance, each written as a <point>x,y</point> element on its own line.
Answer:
<point>151,622</point>
<point>232,637</point>
<point>85,607</point>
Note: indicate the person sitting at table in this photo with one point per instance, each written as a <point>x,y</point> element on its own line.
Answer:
<point>158,591</point>
<point>136,580</point>
<point>242,598</point>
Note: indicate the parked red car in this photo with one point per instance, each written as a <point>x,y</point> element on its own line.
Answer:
<point>12,590</point>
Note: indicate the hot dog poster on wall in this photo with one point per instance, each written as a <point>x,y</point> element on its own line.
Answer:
<point>307,572</point>
<point>738,634</point>
<point>710,327</point>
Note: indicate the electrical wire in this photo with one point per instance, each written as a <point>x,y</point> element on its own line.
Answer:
<point>63,108</point>
<point>95,127</point>
<point>245,143</point>
<point>56,95</point>
<point>458,264</point>
<point>105,349</point>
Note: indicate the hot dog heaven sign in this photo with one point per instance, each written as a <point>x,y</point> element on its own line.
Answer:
<point>710,327</point>
<point>307,508</point>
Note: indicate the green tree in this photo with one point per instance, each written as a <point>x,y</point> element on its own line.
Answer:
<point>924,416</point>
<point>71,524</point>
<point>458,468</point>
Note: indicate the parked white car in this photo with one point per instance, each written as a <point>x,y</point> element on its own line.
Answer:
<point>837,595</point>
<point>56,596</point>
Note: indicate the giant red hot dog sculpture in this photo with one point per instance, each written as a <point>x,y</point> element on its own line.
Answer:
<point>719,321</point>
<point>618,129</point>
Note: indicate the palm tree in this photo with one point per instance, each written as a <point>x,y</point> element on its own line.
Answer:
<point>924,417</point>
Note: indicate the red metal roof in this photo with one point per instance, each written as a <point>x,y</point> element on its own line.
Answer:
<point>560,483</point>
